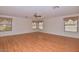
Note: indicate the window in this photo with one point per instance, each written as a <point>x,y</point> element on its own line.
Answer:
<point>40,25</point>
<point>34,24</point>
<point>5,24</point>
<point>37,25</point>
<point>71,24</point>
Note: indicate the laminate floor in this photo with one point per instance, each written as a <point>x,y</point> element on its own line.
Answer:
<point>38,42</point>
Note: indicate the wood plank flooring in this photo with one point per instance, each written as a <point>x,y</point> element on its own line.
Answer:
<point>38,42</point>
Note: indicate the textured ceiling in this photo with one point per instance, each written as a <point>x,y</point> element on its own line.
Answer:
<point>47,11</point>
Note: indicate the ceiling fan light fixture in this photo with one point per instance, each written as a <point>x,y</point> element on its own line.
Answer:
<point>36,15</point>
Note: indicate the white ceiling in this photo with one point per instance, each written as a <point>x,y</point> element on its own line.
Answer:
<point>47,11</point>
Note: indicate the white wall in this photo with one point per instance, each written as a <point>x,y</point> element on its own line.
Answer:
<point>51,25</point>
<point>56,26</point>
<point>19,26</point>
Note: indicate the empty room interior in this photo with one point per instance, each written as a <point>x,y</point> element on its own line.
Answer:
<point>39,28</point>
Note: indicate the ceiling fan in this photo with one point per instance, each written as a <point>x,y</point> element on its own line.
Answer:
<point>36,15</point>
